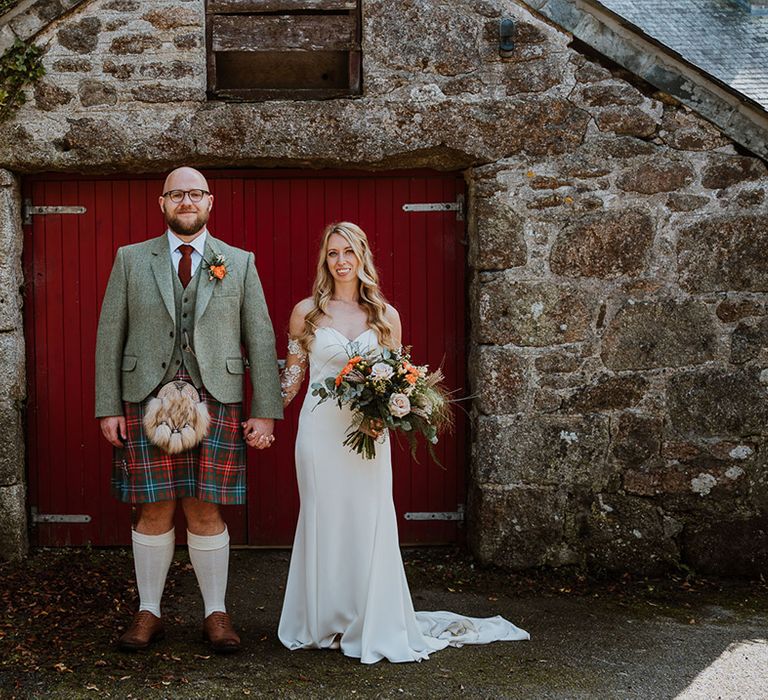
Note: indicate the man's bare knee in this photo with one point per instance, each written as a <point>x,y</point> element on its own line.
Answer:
<point>203,518</point>
<point>156,518</point>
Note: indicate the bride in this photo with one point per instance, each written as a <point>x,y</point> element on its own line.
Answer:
<point>346,585</point>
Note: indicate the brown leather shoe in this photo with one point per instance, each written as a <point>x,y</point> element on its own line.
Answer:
<point>218,631</point>
<point>145,629</point>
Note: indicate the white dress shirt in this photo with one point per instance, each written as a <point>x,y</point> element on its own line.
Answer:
<point>197,254</point>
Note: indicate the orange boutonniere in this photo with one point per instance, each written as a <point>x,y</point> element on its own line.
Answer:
<point>217,268</point>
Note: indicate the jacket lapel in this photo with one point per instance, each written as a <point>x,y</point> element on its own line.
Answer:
<point>205,286</point>
<point>163,271</point>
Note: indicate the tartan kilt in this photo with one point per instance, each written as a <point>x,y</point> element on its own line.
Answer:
<point>214,471</point>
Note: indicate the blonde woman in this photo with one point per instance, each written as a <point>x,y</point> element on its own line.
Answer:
<point>346,585</point>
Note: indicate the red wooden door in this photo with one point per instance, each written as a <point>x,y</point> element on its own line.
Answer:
<point>280,216</point>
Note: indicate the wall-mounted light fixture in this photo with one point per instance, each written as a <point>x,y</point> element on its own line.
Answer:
<point>506,34</point>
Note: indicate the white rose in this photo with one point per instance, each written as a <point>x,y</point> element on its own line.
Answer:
<point>399,405</point>
<point>381,370</point>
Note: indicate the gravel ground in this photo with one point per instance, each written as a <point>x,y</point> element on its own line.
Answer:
<point>626,637</point>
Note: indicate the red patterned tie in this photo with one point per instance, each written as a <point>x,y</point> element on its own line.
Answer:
<point>185,264</point>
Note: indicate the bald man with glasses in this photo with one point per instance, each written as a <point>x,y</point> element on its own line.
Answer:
<point>179,307</point>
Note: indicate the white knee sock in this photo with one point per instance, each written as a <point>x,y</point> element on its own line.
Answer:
<point>210,560</point>
<point>152,556</point>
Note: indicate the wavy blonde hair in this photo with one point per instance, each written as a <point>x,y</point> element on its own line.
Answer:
<point>370,296</point>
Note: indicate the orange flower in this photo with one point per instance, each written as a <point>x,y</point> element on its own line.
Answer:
<point>411,378</point>
<point>342,374</point>
<point>217,268</point>
<point>347,369</point>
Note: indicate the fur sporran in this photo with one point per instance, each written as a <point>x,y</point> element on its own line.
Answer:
<point>176,420</point>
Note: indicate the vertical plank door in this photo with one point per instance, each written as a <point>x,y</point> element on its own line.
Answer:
<point>280,216</point>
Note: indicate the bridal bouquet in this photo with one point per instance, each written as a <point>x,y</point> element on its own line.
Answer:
<point>384,386</point>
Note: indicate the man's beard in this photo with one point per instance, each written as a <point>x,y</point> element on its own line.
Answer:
<point>177,226</point>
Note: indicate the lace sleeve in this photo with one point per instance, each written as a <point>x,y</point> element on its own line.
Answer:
<point>293,374</point>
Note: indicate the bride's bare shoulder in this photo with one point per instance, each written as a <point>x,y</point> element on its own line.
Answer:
<point>394,320</point>
<point>391,314</point>
<point>304,306</point>
<point>296,323</point>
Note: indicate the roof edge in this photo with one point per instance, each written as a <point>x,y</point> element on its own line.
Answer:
<point>754,7</point>
<point>739,117</point>
<point>29,17</point>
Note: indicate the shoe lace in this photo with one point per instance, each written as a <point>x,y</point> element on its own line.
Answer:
<point>220,619</point>
<point>143,618</point>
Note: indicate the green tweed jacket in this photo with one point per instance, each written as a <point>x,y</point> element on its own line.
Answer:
<point>135,340</point>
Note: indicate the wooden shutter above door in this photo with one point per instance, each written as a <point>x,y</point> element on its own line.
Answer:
<point>283,49</point>
<point>241,6</point>
<point>283,33</point>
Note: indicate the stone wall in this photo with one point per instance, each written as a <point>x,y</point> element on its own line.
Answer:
<point>621,337</point>
<point>13,538</point>
<point>618,287</point>
<point>125,55</point>
<point>125,91</point>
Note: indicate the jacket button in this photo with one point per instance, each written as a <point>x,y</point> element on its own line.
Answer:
<point>171,334</point>
<point>163,365</point>
<point>185,300</point>
<point>184,315</point>
<point>178,362</point>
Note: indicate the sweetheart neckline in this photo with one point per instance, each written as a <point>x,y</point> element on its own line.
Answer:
<point>349,340</point>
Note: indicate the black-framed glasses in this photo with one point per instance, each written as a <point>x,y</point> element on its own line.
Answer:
<point>177,196</point>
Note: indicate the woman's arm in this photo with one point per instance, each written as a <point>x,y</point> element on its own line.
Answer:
<point>296,360</point>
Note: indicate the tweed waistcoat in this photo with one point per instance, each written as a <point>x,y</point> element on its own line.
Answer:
<point>185,300</point>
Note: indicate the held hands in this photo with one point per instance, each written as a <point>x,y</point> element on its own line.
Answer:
<point>113,429</point>
<point>258,432</point>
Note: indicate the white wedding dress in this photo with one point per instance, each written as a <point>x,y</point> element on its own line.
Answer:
<point>346,575</point>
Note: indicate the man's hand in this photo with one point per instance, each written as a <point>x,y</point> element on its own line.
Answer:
<point>258,432</point>
<point>113,429</point>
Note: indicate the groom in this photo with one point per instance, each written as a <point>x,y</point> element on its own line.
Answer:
<point>180,307</point>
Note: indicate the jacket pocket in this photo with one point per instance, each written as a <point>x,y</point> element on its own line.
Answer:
<point>235,365</point>
<point>228,287</point>
<point>129,363</point>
